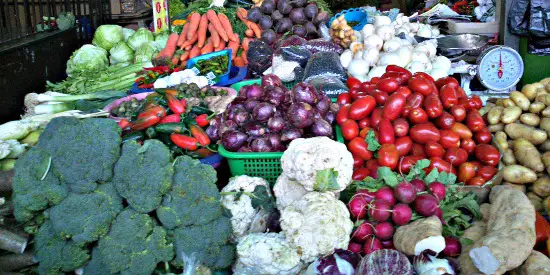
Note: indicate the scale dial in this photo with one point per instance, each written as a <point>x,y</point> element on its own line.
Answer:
<point>499,68</point>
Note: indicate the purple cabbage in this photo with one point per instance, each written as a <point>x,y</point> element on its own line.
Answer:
<point>385,261</point>
<point>341,262</point>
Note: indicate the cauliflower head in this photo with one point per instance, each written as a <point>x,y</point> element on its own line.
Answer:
<point>287,191</point>
<point>236,197</point>
<point>319,164</point>
<point>266,253</point>
<point>316,224</point>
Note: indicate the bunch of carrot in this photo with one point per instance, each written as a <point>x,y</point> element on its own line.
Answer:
<point>253,31</point>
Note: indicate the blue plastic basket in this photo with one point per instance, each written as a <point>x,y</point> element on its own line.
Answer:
<point>358,15</point>
<point>217,79</point>
<point>236,74</point>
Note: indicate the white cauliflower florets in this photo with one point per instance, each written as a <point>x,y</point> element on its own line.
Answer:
<point>243,214</point>
<point>266,253</point>
<point>316,224</point>
<point>305,158</point>
<point>287,191</point>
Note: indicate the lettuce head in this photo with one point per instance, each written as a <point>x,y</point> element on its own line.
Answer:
<point>88,58</point>
<point>141,36</point>
<point>107,36</point>
<point>146,52</point>
<point>121,53</point>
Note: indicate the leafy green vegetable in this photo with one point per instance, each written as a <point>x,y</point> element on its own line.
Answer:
<point>390,178</point>
<point>146,52</point>
<point>126,33</point>
<point>107,36</point>
<point>87,59</point>
<point>121,53</point>
<point>372,141</point>
<point>326,180</point>
<point>139,38</point>
<point>432,176</point>
<point>65,20</point>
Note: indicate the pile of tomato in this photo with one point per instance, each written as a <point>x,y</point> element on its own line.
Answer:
<point>413,117</point>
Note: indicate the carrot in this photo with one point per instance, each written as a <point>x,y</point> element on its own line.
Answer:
<point>208,47</point>
<point>242,14</point>
<point>255,28</point>
<point>189,42</point>
<point>214,35</point>
<point>227,27</point>
<point>221,46</point>
<point>175,60</point>
<point>193,24</point>
<point>246,41</point>
<point>184,56</point>
<point>234,46</point>
<point>195,51</point>
<point>170,48</point>
<point>215,21</point>
<point>243,55</point>
<point>203,25</point>
<point>249,33</point>
<point>239,61</point>
<point>183,35</point>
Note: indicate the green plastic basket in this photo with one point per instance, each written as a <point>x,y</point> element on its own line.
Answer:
<point>237,86</point>
<point>263,165</point>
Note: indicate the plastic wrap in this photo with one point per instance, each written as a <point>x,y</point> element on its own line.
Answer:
<point>324,64</point>
<point>320,45</point>
<point>539,46</point>
<point>539,21</point>
<point>296,54</point>
<point>331,86</point>
<point>259,57</point>
<point>292,40</point>
<point>282,68</point>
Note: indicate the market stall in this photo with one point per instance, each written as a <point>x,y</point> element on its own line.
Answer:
<point>282,137</point>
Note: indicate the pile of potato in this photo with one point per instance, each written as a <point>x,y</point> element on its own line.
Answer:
<point>521,126</point>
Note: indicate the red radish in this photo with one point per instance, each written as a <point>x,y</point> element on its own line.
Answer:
<point>426,205</point>
<point>405,192</point>
<point>401,214</point>
<point>365,194</point>
<point>452,247</point>
<point>439,214</point>
<point>362,232</point>
<point>438,190</point>
<point>380,211</point>
<point>385,194</point>
<point>419,184</point>
<point>371,244</point>
<point>355,247</point>
<point>374,174</point>
<point>384,231</point>
<point>388,244</point>
<point>358,207</point>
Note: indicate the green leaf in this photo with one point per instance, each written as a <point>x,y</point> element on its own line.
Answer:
<point>326,180</point>
<point>418,169</point>
<point>432,176</point>
<point>389,177</point>
<point>466,241</point>
<point>262,198</point>
<point>372,142</point>
<point>369,184</point>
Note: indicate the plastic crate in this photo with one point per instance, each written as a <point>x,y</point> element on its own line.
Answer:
<point>358,15</point>
<point>263,165</point>
<point>290,85</point>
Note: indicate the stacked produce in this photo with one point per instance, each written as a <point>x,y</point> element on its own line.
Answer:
<point>341,32</point>
<point>266,117</point>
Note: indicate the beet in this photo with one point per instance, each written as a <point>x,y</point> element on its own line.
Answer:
<point>452,247</point>
<point>267,7</point>
<point>380,211</point>
<point>284,25</point>
<point>401,214</point>
<point>419,184</point>
<point>362,232</point>
<point>276,16</point>
<point>385,194</point>
<point>311,11</point>
<point>384,231</point>
<point>426,205</point>
<point>405,192</point>
<point>265,22</point>
<point>298,3</point>
<point>438,190</point>
<point>284,7</point>
<point>299,30</point>
<point>254,14</point>
<point>355,247</point>
<point>357,207</point>
<point>269,36</point>
<point>297,16</point>
<point>311,30</point>
<point>321,18</point>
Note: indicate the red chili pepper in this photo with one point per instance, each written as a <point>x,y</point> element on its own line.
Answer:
<point>199,134</point>
<point>152,109</point>
<point>139,79</point>
<point>146,86</point>
<point>144,122</point>
<point>174,104</point>
<point>202,120</point>
<point>173,118</point>
<point>184,142</point>
<point>123,124</point>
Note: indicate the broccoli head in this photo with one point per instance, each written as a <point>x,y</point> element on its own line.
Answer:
<point>83,151</point>
<point>56,255</point>
<point>34,187</point>
<point>194,198</point>
<point>143,174</point>
<point>86,217</point>
<point>209,243</point>
<point>134,245</point>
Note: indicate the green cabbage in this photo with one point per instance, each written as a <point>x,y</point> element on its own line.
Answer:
<point>126,33</point>
<point>121,53</point>
<point>161,40</point>
<point>88,58</point>
<point>65,20</point>
<point>141,36</point>
<point>106,36</point>
<point>146,52</point>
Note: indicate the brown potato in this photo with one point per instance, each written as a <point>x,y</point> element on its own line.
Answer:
<point>544,98</point>
<point>521,100</point>
<point>533,135</point>
<point>527,155</point>
<point>508,157</point>
<point>545,146</point>
<point>546,112</point>
<point>536,107</point>
<point>546,206</point>
<point>546,160</point>
<point>501,140</point>
<point>519,187</point>
<point>494,114</point>
<point>507,102</point>
<point>529,119</point>
<point>518,174</point>
<point>541,91</point>
<point>499,102</point>
<point>536,201</point>
<point>545,124</point>
<point>541,187</point>
<point>496,127</point>
<point>545,81</point>
<point>510,114</point>
<point>530,91</point>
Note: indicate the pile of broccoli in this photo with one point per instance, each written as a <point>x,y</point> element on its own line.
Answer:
<point>102,207</point>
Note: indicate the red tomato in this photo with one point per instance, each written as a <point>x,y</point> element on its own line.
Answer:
<point>433,106</point>
<point>400,127</point>
<point>380,97</point>
<point>440,164</point>
<point>375,117</point>
<point>474,121</point>
<point>448,96</point>
<point>487,172</point>
<point>434,149</point>
<point>404,91</point>
<point>372,164</point>
<point>367,87</point>
<point>388,85</point>
<point>483,137</point>
<point>476,164</point>
<point>343,114</point>
<point>358,162</point>
<point>458,112</point>
<point>363,133</point>
<point>462,130</point>
<point>400,77</point>
<point>422,133</point>
<point>420,85</point>
<point>475,102</point>
<point>413,101</point>
<point>360,174</point>
<point>408,162</point>
<point>358,147</point>
<point>487,154</point>
<point>353,82</point>
<point>386,132</point>
<point>449,139</point>
<point>476,181</point>
<point>388,156</point>
<point>403,145</point>
<point>393,107</point>
<point>356,93</point>
<point>445,121</point>
<point>466,171</point>
<point>395,68</point>
<point>460,92</point>
<point>418,116</point>
<point>449,80</point>
<point>363,123</point>
<point>350,129</point>
<point>343,99</point>
<point>362,108</point>
<point>374,80</point>
<point>456,156</point>
<point>424,75</point>
<point>468,144</point>
<point>418,150</point>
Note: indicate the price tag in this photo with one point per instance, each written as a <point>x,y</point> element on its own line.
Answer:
<point>211,82</point>
<point>210,75</point>
<point>195,70</point>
